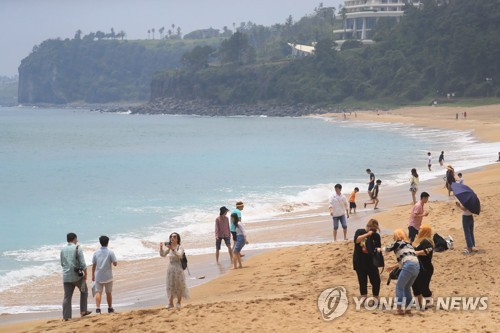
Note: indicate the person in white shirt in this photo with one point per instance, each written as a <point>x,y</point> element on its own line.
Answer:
<point>102,274</point>
<point>339,210</point>
<point>429,161</point>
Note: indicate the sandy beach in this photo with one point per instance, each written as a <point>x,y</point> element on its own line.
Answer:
<point>277,290</point>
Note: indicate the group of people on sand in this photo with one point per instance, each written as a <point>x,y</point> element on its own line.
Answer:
<point>414,261</point>
<point>340,209</point>
<point>413,249</point>
<point>75,269</point>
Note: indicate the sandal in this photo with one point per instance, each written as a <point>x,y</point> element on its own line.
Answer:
<point>466,251</point>
<point>86,313</point>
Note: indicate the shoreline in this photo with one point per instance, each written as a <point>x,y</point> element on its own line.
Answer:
<point>209,294</point>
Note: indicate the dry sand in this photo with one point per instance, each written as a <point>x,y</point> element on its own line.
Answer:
<point>277,291</point>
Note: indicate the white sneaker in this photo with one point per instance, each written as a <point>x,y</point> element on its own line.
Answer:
<point>178,305</point>
<point>169,306</point>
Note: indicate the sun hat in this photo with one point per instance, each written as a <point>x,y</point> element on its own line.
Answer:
<point>223,210</point>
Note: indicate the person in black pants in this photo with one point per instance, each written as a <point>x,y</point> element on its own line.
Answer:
<point>366,242</point>
<point>423,248</point>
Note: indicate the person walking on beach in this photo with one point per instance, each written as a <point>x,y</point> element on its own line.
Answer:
<point>414,185</point>
<point>352,200</point>
<point>441,158</point>
<point>74,275</point>
<point>222,232</point>
<point>371,182</point>
<point>366,243</point>
<point>429,161</point>
<point>450,178</point>
<point>424,246</point>
<point>338,210</point>
<point>468,226</point>
<point>408,263</point>
<point>103,261</point>
<point>239,207</point>
<point>176,280</point>
<point>417,215</point>
<point>374,195</point>
<point>241,240</point>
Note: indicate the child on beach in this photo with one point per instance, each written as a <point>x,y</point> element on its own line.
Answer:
<point>460,179</point>
<point>374,195</point>
<point>429,161</point>
<point>352,200</point>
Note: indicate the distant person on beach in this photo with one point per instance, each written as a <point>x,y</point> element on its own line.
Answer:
<point>103,261</point>
<point>222,232</point>
<point>371,182</point>
<point>176,280</point>
<point>241,240</point>
<point>424,246</point>
<point>338,211</point>
<point>498,157</point>
<point>414,181</point>
<point>465,114</point>
<point>366,243</point>
<point>410,267</point>
<point>460,178</point>
<point>456,116</point>
<point>417,215</point>
<point>468,226</point>
<point>239,207</point>
<point>450,178</point>
<point>441,158</point>
<point>352,200</point>
<point>73,264</point>
<point>374,195</point>
<point>429,161</point>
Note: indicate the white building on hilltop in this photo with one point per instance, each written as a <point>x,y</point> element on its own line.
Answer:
<point>360,16</point>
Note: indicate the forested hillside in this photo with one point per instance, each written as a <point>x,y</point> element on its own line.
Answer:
<point>97,71</point>
<point>445,47</point>
<point>103,68</point>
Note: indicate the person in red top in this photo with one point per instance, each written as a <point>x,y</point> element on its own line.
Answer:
<point>222,233</point>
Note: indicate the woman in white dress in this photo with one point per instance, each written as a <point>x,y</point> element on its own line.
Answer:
<point>176,281</point>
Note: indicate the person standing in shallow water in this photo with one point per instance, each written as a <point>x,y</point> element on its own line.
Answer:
<point>222,233</point>
<point>371,182</point>
<point>441,158</point>
<point>239,207</point>
<point>414,181</point>
<point>429,161</point>
<point>338,211</point>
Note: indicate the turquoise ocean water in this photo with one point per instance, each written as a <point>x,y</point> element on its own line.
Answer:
<point>137,178</point>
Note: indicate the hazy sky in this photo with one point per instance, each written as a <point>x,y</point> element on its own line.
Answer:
<point>25,23</point>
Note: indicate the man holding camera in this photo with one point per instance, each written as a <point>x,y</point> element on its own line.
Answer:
<point>74,275</point>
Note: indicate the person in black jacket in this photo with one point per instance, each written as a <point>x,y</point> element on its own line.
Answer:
<point>423,248</point>
<point>366,243</point>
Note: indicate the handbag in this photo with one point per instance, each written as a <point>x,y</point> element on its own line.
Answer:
<point>378,259</point>
<point>394,275</point>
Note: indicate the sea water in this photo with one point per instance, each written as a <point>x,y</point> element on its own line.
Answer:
<point>137,178</point>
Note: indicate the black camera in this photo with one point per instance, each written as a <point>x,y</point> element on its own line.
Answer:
<point>167,243</point>
<point>78,271</point>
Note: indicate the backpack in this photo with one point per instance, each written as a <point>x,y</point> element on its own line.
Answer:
<point>184,261</point>
<point>440,243</point>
